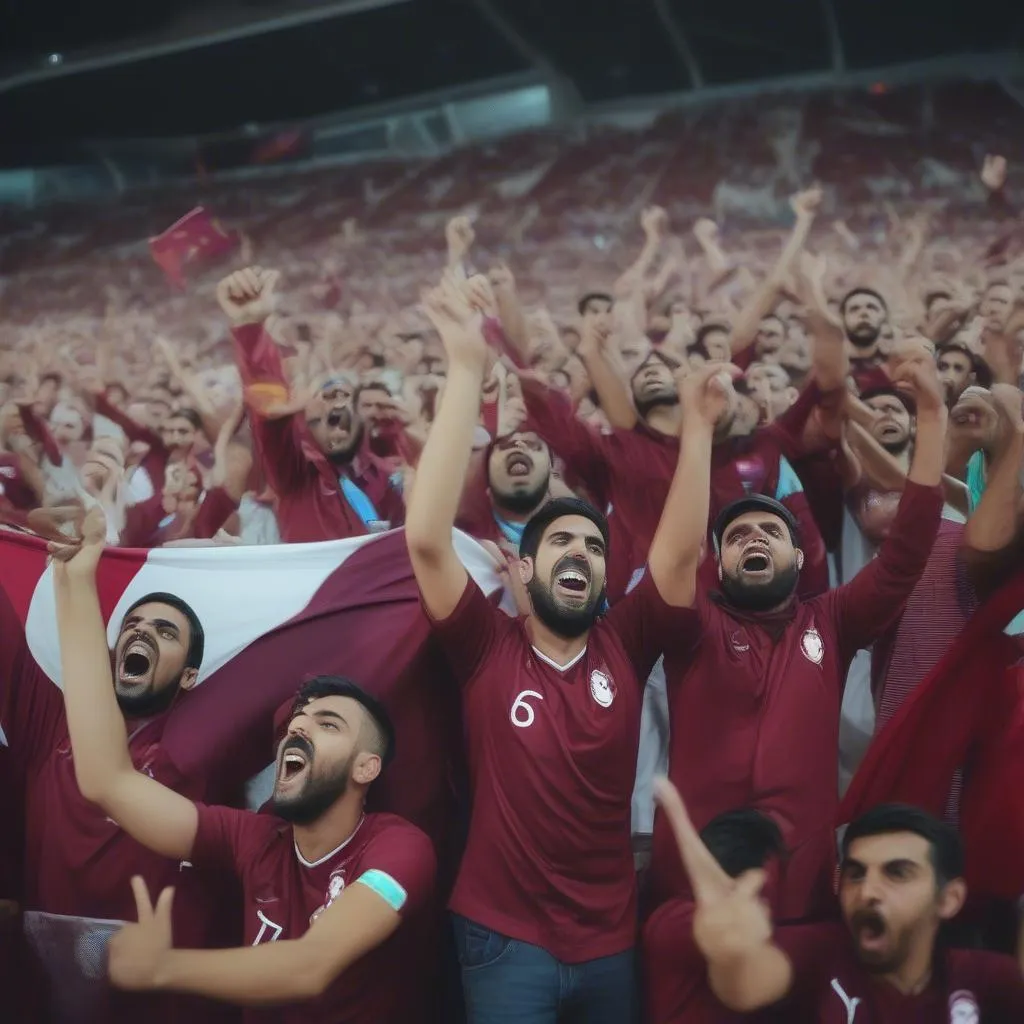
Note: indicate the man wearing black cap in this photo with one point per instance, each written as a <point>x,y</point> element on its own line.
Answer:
<point>545,901</point>
<point>755,679</point>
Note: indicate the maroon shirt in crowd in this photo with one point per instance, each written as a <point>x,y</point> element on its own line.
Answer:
<point>77,861</point>
<point>283,892</point>
<point>754,705</point>
<point>676,975</point>
<point>552,755</point>
<point>311,506</point>
<point>967,986</point>
<point>631,471</point>
<point>215,507</point>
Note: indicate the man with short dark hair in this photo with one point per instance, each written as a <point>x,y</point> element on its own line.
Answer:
<point>595,304</point>
<point>865,315</point>
<point>675,971</point>
<point>901,880</point>
<point>333,897</point>
<point>545,901</point>
<point>513,482</point>
<point>959,368</point>
<point>77,858</point>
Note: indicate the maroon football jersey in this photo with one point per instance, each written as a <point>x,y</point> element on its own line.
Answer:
<point>830,986</point>
<point>552,756</point>
<point>284,893</point>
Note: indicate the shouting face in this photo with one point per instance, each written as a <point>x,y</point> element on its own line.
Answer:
<point>334,422</point>
<point>328,744</point>
<point>66,424</point>
<point>758,561</point>
<point>893,428</point>
<point>518,472</point>
<point>891,901</point>
<point>566,579</point>
<point>151,658</point>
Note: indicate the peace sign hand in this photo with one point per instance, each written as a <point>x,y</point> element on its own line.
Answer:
<point>135,952</point>
<point>731,920</point>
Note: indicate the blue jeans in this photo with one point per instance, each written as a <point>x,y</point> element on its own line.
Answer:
<point>506,981</point>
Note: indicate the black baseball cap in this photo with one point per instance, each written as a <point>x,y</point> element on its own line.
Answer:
<point>754,503</point>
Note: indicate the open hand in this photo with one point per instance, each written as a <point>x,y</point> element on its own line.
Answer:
<point>460,326</point>
<point>135,952</point>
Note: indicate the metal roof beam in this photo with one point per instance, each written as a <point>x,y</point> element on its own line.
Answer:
<point>564,93</point>
<point>184,37</point>
<point>677,37</point>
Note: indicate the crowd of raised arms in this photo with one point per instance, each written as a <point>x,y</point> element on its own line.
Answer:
<point>737,521</point>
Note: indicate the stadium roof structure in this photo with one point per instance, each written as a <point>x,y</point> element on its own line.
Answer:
<point>72,72</point>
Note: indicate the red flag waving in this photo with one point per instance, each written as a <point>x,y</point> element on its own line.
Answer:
<point>968,712</point>
<point>194,239</point>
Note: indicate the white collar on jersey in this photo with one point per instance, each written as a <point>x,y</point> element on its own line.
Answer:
<point>327,856</point>
<point>554,664</point>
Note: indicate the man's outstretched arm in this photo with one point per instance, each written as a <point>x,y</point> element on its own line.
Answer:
<point>141,956</point>
<point>151,813</point>
<point>441,474</point>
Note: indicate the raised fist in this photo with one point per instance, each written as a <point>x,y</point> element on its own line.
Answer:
<point>247,296</point>
<point>806,203</point>
<point>654,221</point>
<point>706,231</point>
<point>993,172</point>
<point>459,235</point>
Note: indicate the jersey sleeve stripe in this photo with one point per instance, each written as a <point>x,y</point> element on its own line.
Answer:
<point>385,887</point>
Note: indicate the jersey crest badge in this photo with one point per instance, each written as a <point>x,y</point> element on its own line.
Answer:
<point>602,689</point>
<point>963,1008</point>
<point>812,646</point>
<point>335,887</point>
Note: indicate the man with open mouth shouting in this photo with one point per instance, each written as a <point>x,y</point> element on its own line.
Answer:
<point>755,676</point>
<point>901,880</point>
<point>544,905</point>
<point>334,898</point>
<point>313,448</point>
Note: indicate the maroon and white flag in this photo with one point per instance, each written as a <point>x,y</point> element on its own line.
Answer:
<point>274,616</point>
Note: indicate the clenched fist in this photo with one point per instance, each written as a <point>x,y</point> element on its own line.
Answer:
<point>247,296</point>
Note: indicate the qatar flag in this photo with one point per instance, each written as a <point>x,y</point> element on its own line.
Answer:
<point>274,616</point>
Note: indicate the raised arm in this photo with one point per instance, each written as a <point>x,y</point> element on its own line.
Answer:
<point>444,463</point>
<point>247,297</point>
<point>706,395</point>
<point>867,605</point>
<point>605,371</point>
<point>366,914</point>
<point>995,523</point>
<point>765,296</point>
<point>151,813</point>
<point>731,923</point>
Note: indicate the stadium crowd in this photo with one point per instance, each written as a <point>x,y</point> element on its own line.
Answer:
<point>746,496</point>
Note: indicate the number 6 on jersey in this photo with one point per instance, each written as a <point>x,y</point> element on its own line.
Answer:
<point>522,714</point>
